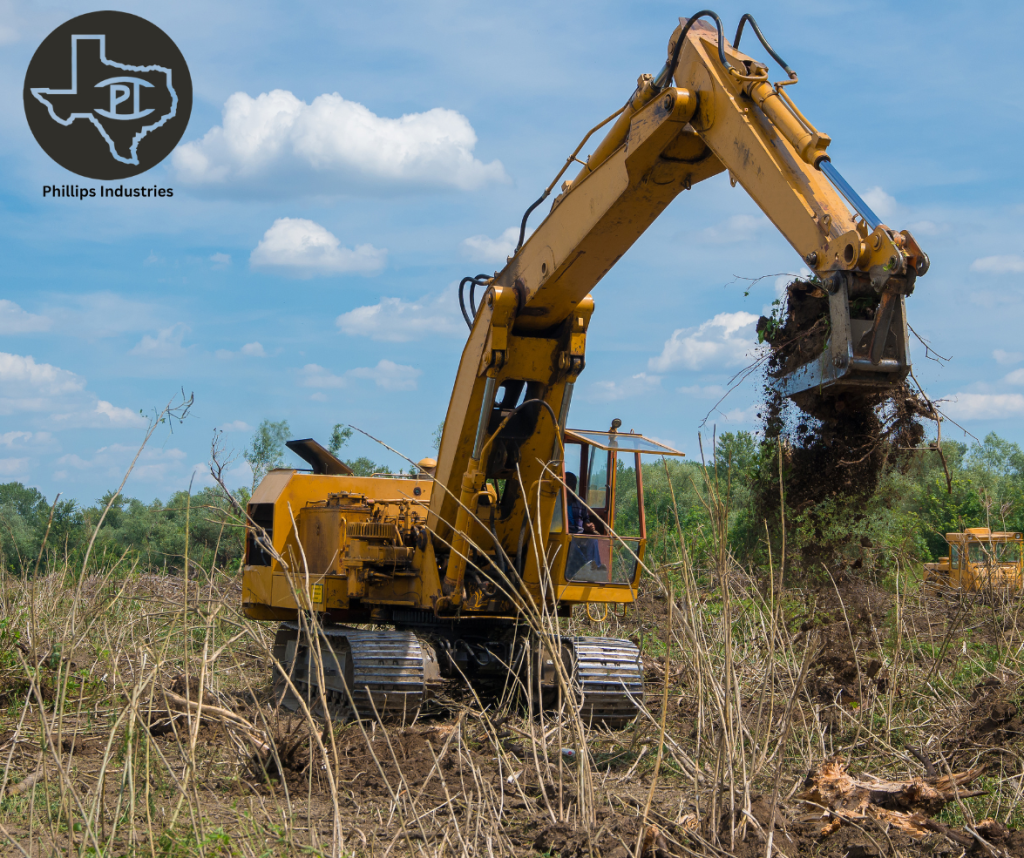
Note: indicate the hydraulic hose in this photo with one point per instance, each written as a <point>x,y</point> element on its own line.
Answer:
<point>764,43</point>
<point>668,72</point>
<point>479,280</point>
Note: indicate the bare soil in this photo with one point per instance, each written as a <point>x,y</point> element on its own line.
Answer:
<point>848,669</point>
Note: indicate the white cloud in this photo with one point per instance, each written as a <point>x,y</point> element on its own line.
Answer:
<point>639,384</point>
<point>115,416</point>
<point>221,260</point>
<point>14,320</point>
<point>318,397</point>
<point>724,340</point>
<point>927,227</point>
<point>22,440</point>
<point>153,259</point>
<point>41,379</point>
<point>386,374</point>
<point>983,406</point>
<point>734,229</point>
<point>735,415</point>
<point>482,248</point>
<point>1015,377</point>
<point>1005,357</point>
<point>236,475</point>
<point>396,321</point>
<point>305,248</point>
<point>41,388</point>
<point>235,426</point>
<point>709,391</point>
<point>100,415</point>
<point>1011,264</point>
<point>14,468</point>
<point>248,350</point>
<point>155,464</point>
<point>882,204</point>
<point>332,145</point>
<point>314,375</point>
<point>166,344</point>
<point>102,314</point>
<point>389,375</point>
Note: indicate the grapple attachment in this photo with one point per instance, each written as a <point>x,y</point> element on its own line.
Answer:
<point>866,340</point>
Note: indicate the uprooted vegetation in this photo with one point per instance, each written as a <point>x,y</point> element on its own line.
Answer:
<point>845,720</point>
<point>833,451</point>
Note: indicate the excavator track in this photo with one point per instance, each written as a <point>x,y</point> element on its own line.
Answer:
<point>608,678</point>
<point>366,674</point>
<point>389,674</point>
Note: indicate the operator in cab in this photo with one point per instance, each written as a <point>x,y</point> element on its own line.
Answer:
<point>584,554</point>
<point>579,518</point>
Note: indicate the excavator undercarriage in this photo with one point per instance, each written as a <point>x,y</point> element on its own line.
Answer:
<point>355,673</point>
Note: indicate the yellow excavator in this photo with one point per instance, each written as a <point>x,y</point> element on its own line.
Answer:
<point>519,518</point>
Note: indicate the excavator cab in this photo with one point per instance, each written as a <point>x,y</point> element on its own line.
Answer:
<point>598,531</point>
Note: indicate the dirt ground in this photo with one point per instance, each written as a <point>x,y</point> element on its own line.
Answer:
<point>103,753</point>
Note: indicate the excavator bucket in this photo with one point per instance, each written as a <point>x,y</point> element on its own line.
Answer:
<point>862,349</point>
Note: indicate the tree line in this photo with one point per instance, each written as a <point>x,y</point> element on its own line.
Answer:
<point>691,504</point>
<point>696,505</point>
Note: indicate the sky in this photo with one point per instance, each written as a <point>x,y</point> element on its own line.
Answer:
<point>346,164</point>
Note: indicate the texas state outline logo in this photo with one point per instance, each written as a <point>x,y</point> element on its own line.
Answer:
<point>108,95</point>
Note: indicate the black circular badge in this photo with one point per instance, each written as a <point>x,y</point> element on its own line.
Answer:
<point>108,95</point>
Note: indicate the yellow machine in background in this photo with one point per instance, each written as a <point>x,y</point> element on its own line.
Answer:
<point>451,565</point>
<point>979,561</point>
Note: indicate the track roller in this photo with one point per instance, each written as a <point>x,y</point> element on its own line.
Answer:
<point>362,673</point>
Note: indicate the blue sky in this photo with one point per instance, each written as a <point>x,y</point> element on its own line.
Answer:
<point>346,164</point>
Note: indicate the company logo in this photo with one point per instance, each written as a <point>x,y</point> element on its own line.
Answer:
<point>108,95</point>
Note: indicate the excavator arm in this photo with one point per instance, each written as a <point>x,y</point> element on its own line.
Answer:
<point>711,109</point>
<point>722,113</point>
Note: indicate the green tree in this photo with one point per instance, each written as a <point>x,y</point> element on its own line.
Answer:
<point>340,436</point>
<point>366,467</point>
<point>735,452</point>
<point>24,500</point>
<point>266,449</point>
<point>23,511</point>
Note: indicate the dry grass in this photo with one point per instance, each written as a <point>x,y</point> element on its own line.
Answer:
<point>137,719</point>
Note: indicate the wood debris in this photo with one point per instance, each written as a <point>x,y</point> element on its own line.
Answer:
<point>834,796</point>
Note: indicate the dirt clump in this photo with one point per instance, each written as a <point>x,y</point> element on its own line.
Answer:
<point>615,837</point>
<point>835,448</point>
<point>992,717</point>
<point>1001,837</point>
<point>188,687</point>
<point>292,738</point>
